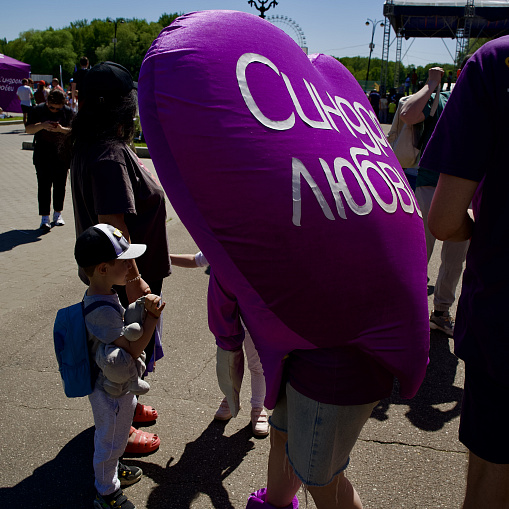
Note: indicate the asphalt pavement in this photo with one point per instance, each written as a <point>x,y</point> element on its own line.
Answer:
<point>408,455</point>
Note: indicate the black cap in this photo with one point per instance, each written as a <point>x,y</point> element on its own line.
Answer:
<point>106,80</point>
<point>103,243</point>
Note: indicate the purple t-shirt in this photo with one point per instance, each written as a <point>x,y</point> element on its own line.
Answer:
<point>470,141</point>
<point>278,167</point>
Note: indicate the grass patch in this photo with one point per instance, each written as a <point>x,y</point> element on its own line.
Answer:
<point>11,118</point>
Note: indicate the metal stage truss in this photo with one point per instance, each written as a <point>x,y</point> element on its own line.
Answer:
<point>463,20</point>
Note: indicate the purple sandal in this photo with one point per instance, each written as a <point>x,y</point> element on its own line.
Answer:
<point>257,499</point>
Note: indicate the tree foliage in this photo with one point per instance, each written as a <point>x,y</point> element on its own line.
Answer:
<point>46,50</point>
<point>358,66</point>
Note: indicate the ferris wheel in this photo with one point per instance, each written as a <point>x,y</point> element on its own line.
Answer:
<point>296,31</point>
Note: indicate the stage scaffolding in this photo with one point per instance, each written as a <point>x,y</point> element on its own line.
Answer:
<point>463,20</point>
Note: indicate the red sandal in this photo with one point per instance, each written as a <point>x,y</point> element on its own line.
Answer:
<point>143,442</point>
<point>144,413</point>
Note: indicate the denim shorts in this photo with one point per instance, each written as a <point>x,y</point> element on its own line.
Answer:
<point>320,436</point>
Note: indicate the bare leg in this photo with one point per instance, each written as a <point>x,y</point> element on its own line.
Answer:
<point>282,483</point>
<point>338,494</point>
<point>487,484</point>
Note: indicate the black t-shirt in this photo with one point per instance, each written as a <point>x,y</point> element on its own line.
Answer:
<point>78,77</point>
<point>110,179</point>
<point>374,99</point>
<point>49,146</point>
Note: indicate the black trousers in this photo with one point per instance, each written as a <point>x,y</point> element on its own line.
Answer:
<point>51,174</point>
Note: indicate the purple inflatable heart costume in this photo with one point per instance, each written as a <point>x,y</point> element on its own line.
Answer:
<point>279,170</point>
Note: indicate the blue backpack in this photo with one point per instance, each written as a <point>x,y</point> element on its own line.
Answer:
<point>77,369</point>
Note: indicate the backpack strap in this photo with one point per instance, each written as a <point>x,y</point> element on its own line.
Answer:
<point>434,106</point>
<point>431,121</point>
<point>94,368</point>
<point>95,305</point>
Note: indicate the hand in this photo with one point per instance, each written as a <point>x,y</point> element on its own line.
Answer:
<point>136,289</point>
<point>436,74</point>
<point>50,125</point>
<point>154,305</point>
<point>59,128</point>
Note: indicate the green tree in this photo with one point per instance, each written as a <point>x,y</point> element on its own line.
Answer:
<point>134,38</point>
<point>167,19</point>
<point>358,66</point>
<point>78,30</point>
<point>47,50</point>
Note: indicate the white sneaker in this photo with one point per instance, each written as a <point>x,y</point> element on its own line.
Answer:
<point>45,224</point>
<point>223,412</point>
<point>58,220</point>
<point>259,422</point>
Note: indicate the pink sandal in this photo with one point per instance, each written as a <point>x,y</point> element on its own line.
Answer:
<point>143,442</point>
<point>144,413</point>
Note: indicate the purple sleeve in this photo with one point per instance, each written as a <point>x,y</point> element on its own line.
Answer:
<point>224,316</point>
<point>470,116</point>
<point>112,188</point>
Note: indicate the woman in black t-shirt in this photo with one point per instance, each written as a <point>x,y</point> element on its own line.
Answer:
<point>111,185</point>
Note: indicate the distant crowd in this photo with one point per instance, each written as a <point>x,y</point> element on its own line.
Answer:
<point>31,93</point>
<point>385,104</point>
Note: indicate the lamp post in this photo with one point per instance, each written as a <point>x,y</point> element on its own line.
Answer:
<point>371,45</point>
<point>116,22</point>
<point>261,8</point>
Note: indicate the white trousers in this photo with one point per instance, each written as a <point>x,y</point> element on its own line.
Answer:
<point>452,256</point>
<point>112,418</point>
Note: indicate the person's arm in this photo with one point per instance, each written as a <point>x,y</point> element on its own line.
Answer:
<point>189,261</point>
<point>135,348</point>
<point>183,260</point>
<point>73,90</point>
<point>448,217</point>
<point>135,287</point>
<point>59,128</point>
<point>412,109</point>
<point>224,316</point>
<point>48,125</point>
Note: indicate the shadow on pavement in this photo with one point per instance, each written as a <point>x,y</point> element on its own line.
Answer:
<point>437,389</point>
<point>65,481</point>
<point>13,238</point>
<point>202,468</point>
<point>16,131</point>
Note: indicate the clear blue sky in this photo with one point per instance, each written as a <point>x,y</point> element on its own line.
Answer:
<point>334,27</point>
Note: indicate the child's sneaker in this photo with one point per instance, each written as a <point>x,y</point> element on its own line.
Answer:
<point>128,475</point>
<point>116,500</point>
<point>223,412</point>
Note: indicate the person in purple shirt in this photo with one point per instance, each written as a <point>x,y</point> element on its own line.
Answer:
<point>276,164</point>
<point>476,172</point>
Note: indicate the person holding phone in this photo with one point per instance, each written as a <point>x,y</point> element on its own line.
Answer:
<point>50,123</point>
